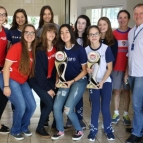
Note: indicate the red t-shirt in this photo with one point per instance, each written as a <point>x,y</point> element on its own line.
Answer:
<point>121,60</point>
<point>51,61</point>
<point>3,43</point>
<point>14,54</point>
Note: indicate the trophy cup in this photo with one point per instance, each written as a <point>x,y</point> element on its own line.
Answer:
<point>61,64</point>
<point>93,59</point>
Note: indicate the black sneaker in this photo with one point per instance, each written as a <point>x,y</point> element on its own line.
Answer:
<point>110,136</point>
<point>77,136</point>
<point>27,133</point>
<point>57,135</point>
<point>4,129</point>
<point>18,136</point>
<point>134,139</point>
<point>91,136</point>
<point>42,133</point>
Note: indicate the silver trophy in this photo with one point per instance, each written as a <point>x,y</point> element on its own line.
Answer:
<point>93,60</point>
<point>61,64</point>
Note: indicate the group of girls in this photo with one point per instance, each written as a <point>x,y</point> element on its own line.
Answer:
<point>30,63</point>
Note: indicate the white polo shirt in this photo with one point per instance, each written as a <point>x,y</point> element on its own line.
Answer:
<point>135,56</point>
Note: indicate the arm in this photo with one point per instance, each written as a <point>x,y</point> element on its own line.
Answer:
<point>106,75</point>
<point>6,76</point>
<point>81,74</point>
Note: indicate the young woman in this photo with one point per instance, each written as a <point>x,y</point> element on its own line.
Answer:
<point>104,87</point>
<point>46,16</point>
<point>68,96</point>
<point>18,66</point>
<point>107,36</point>
<point>19,21</point>
<point>81,25</point>
<point>44,80</point>
<point>3,45</point>
<point>121,34</point>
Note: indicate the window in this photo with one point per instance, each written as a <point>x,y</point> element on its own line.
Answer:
<point>110,12</point>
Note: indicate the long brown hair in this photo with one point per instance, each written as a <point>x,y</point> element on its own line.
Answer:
<point>14,23</point>
<point>43,39</point>
<point>41,21</point>
<point>24,65</point>
<point>109,38</point>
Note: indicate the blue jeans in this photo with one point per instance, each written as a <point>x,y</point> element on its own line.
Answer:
<point>68,98</point>
<point>136,84</point>
<point>100,98</point>
<point>23,100</point>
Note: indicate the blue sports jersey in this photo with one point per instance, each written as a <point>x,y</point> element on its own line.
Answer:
<point>14,36</point>
<point>76,58</point>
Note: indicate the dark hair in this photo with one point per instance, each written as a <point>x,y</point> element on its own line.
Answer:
<point>109,38</point>
<point>42,42</point>
<point>84,35</point>
<point>125,11</point>
<point>24,65</point>
<point>41,21</point>
<point>90,27</point>
<point>61,43</point>
<point>138,5</point>
<point>14,23</point>
<point>5,13</point>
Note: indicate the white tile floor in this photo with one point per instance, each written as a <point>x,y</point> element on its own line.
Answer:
<point>119,128</point>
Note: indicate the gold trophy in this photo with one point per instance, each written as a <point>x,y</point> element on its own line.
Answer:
<point>93,60</point>
<point>61,64</point>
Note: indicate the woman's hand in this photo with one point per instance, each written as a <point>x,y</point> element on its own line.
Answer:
<point>7,91</point>
<point>90,70</point>
<point>68,83</point>
<point>51,93</point>
<point>100,85</point>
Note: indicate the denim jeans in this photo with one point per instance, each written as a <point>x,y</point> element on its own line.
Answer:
<point>23,100</point>
<point>68,98</point>
<point>46,99</point>
<point>136,84</point>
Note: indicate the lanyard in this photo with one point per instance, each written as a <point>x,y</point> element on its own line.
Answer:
<point>132,48</point>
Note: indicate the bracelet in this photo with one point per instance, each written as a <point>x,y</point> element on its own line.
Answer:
<point>6,86</point>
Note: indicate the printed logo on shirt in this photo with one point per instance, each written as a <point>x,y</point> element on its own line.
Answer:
<point>31,59</point>
<point>71,59</point>
<point>3,38</point>
<point>122,43</point>
<point>52,56</point>
<point>14,37</point>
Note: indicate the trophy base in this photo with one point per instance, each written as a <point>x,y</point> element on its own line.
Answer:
<point>92,86</point>
<point>61,85</point>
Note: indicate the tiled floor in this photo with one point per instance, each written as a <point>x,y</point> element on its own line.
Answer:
<point>119,128</point>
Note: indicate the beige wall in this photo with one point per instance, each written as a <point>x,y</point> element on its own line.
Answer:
<point>33,7</point>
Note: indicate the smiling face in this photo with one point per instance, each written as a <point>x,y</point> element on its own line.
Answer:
<point>138,15</point>
<point>103,26</point>
<point>2,16</point>
<point>81,25</point>
<point>123,19</point>
<point>47,16</point>
<point>51,35</point>
<point>20,19</point>
<point>29,34</point>
<point>65,35</point>
<point>94,35</point>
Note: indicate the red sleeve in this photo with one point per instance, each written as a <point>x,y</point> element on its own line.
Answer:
<point>14,52</point>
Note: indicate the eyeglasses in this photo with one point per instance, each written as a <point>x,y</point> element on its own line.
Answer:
<point>2,14</point>
<point>92,35</point>
<point>29,33</point>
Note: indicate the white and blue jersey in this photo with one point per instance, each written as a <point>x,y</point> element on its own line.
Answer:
<point>14,36</point>
<point>106,56</point>
<point>76,58</point>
